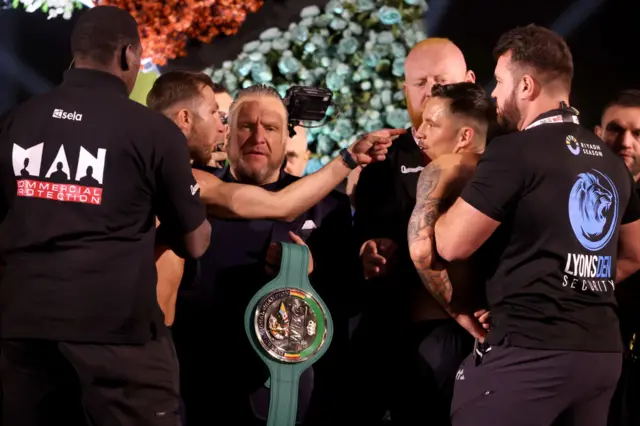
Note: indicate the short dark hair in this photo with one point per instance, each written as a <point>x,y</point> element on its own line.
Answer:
<point>629,98</point>
<point>468,100</point>
<point>219,88</point>
<point>176,86</point>
<point>540,49</point>
<point>101,32</point>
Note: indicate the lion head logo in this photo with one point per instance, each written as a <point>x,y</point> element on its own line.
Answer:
<point>593,209</point>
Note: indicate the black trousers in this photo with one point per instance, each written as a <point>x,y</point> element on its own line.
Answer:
<point>74,384</point>
<point>406,369</point>
<point>512,386</point>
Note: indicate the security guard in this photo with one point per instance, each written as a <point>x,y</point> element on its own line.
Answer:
<point>85,171</point>
<point>565,209</point>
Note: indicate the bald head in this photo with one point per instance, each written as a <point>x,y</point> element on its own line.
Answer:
<point>432,61</point>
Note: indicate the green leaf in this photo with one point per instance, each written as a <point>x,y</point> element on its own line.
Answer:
<point>15,4</point>
<point>45,7</point>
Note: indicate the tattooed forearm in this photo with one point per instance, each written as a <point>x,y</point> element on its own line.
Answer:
<point>421,236</point>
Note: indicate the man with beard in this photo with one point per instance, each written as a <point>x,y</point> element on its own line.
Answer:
<point>567,209</point>
<point>187,98</point>
<point>620,130</point>
<point>216,290</point>
<point>396,303</point>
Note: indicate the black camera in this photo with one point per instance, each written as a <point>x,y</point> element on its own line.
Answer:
<point>306,104</point>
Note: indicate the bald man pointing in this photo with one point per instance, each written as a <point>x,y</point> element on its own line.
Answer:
<point>407,348</point>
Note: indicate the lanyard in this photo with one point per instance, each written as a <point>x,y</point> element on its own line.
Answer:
<point>560,118</point>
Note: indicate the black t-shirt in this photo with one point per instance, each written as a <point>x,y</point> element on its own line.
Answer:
<point>85,171</point>
<point>560,195</point>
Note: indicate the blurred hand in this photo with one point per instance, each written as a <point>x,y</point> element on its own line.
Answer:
<point>373,146</point>
<point>376,254</point>
<point>472,325</point>
<point>484,317</point>
<point>217,159</point>
<point>273,260</point>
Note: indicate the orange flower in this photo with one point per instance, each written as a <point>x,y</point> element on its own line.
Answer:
<point>166,25</point>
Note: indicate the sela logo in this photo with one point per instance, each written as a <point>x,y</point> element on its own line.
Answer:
<point>58,181</point>
<point>60,114</point>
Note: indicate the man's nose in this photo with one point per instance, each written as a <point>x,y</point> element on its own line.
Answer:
<point>627,140</point>
<point>420,136</point>
<point>427,92</point>
<point>260,133</point>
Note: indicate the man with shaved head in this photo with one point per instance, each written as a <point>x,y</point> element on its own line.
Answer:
<point>431,61</point>
<point>418,364</point>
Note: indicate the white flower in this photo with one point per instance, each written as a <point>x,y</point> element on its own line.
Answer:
<point>54,8</point>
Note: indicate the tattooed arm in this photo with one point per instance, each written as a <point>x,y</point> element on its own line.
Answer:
<point>434,194</point>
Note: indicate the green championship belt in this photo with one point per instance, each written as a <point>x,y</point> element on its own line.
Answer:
<point>290,328</point>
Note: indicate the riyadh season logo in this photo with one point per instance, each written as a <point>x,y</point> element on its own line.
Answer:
<point>576,147</point>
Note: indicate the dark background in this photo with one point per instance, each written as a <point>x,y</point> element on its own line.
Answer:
<point>603,36</point>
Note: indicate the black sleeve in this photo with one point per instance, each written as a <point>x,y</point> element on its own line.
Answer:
<point>177,195</point>
<point>632,212</point>
<point>375,215</point>
<point>337,273</point>
<point>499,179</point>
<point>7,179</point>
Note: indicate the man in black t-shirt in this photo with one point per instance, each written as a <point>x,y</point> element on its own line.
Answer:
<point>566,215</point>
<point>85,171</point>
<point>620,130</point>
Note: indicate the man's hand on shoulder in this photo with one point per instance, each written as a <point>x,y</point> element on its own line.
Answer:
<point>455,168</point>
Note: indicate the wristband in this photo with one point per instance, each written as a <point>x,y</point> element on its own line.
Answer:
<point>348,159</point>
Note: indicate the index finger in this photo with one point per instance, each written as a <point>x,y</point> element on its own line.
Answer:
<point>390,132</point>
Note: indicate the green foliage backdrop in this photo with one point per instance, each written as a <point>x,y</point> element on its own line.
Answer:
<point>355,48</point>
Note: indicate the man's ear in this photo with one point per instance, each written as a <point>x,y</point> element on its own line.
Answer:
<point>529,88</point>
<point>598,131</point>
<point>470,77</point>
<point>183,119</point>
<point>465,138</point>
<point>306,155</point>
